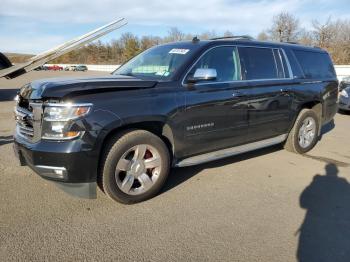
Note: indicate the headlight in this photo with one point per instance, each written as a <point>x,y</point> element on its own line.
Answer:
<point>344,93</point>
<point>58,118</point>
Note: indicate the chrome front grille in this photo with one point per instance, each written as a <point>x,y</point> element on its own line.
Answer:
<point>26,131</point>
<point>24,122</point>
<point>28,121</point>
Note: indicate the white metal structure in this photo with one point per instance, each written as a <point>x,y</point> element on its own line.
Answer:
<point>41,59</point>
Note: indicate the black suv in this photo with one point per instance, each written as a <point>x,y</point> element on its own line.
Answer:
<point>174,105</point>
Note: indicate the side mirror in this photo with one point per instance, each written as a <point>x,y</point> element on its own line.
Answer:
<point>203,74</point>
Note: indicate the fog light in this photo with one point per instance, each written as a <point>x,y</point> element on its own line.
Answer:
<point>52,171</point>
<point>59,172</point>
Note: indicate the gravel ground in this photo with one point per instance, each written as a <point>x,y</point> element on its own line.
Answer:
<point>268,205</point>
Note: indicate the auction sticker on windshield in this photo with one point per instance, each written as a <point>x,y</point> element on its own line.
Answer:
<point>179,51</point>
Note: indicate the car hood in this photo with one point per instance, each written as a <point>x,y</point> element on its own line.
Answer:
<point>68,87</point>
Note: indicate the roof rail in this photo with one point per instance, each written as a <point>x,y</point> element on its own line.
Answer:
<point>234,37</point>
<point>292,42</point>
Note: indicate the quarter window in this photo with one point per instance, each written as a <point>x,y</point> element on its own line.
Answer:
<point>258,63</point>
<point>223,60</point>
<point>315,65</point>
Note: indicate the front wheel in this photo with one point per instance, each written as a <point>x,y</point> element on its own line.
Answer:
<point>304,134</point>
<point>135,167</point>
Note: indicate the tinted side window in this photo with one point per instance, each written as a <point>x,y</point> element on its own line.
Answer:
<point>257,63</point>
<point>224,60</point>
<point>296,68</point>
<point>314,64</point>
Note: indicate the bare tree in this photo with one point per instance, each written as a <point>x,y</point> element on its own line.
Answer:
<point>334,36</point>
<point>149,41</point>
<point>130,44</point>
<point>117,52</point>
<point>306,38</point>
<point>174,35</point>
<point>208,35</point>
<point>323,33</point>
<point>285,28</point>
<point>228,33</point>
<point>339,46</point>
<point>263,36</point>
<point>189,37</point>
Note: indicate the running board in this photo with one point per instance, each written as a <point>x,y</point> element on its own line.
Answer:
<point>207,157</point>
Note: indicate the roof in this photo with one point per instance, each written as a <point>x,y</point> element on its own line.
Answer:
<point>246,42</point>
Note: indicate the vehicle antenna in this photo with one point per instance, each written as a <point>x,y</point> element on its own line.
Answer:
<point>195,39</point>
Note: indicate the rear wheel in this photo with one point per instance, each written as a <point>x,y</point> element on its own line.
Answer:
<point>304,134</point>
<point>135,167</point>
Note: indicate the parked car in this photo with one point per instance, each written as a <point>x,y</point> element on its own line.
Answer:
<point>344,95</point>
<point>81,68</point>
<point>69,68</point>
<point>43,67</point>
<point>174,105</point>
<point>39,68</point>
<point>55,68</point>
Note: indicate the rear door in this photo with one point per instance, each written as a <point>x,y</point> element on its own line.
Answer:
<point>268,98</point>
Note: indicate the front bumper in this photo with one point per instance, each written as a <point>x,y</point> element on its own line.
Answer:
<point>65,161</point>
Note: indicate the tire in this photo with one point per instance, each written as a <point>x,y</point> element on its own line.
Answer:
<point>296,141</point>
<point>134,167</point>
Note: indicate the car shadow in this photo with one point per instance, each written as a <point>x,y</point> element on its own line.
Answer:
<point>180,175</point>
<point>6,140</point>
<point>325,232</point>
<point>7,94</point>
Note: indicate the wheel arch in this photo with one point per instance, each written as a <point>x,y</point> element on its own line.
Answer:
<point>315,105</point>
<point>159,128</point>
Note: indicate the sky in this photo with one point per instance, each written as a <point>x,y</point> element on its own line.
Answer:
<point>33,26</point>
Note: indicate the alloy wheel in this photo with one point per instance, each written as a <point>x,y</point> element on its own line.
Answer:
<point>138,169</point>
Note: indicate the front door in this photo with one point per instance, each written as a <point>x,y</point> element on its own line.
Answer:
<point>216,111</point>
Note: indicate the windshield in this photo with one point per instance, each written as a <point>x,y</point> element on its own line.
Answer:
<point>160,62</point>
